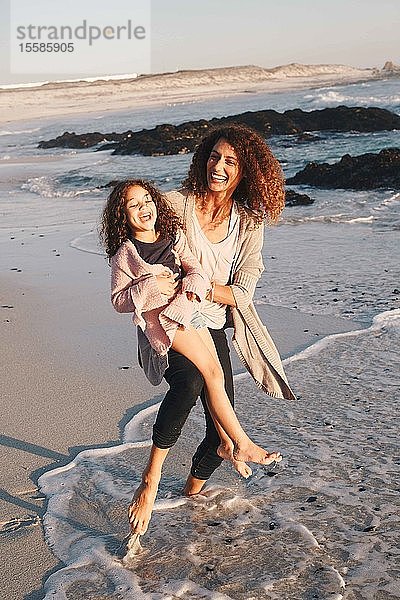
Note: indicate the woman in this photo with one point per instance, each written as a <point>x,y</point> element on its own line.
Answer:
<point>234,185</point>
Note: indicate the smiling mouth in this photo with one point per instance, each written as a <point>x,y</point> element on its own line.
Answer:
<point>218,178</point>
<point>146,217</point>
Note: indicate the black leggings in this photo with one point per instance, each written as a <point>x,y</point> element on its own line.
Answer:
<point>186,384</point>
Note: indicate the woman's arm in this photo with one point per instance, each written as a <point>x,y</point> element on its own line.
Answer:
<point>195,280</point>
<point>250,267</point>
<point>241,291</point>
<point>222,294</point>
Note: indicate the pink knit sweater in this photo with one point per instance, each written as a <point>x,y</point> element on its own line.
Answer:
<point>134,289</point>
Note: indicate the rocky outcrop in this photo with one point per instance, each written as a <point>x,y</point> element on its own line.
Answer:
<point>180,139</point>
<point>80,140</point>
<point>390,68</point>
<point>364,172</point>
<point>295,199</point>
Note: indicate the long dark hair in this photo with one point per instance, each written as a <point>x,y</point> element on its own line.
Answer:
<point>114,227</point>
<point>262,188</point>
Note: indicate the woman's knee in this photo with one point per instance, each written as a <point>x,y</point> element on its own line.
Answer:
<point>185,379</point>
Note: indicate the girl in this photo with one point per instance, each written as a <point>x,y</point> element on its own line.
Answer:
<point>157,278</point>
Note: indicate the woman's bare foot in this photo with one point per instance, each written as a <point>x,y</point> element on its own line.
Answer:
<point>140,509</point>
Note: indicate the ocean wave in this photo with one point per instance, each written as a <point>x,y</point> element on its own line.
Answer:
<point>88,242</point>
<point>333,98</point>
<point>20,132</point>
<point>301,70</point>
<point>336,218</point>
<point>388,202</point>
<point>212,76</point>
<point>47,187</point>
<point>62,82</point>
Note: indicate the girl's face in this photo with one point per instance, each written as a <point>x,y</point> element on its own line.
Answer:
<point>141,211</point>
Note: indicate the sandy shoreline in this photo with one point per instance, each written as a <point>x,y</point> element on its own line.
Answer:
<point>63,349</point>
<point>54,101</point>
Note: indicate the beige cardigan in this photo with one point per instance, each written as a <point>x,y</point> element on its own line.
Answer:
<point>251,339</point>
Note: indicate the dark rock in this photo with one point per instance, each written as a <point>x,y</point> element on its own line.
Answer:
<point>311,499</point>
<point>112,183</point>
<point>364,172</point>
<point>179,139</point>
<point>295,199</point>
<point>307,137</point>
<point>79,140</point>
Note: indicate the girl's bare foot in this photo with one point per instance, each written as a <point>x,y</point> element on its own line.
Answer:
<point>242,468</point>
<point>249,451</point>
<point>225,451</point>
<point>140,509</point>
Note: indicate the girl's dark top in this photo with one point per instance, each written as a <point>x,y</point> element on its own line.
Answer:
<point>161,252</point>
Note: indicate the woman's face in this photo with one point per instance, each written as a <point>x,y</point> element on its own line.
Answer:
<point>223,169</point>
<point>140,209</point>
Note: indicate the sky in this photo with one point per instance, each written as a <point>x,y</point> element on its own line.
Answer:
<point>213,33</point>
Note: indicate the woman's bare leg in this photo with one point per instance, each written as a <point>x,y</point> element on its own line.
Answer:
<point>140,509</point>
<point>193,485</point>
<point>189,343</point>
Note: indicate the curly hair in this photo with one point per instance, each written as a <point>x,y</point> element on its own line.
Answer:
<point>261,190</point>
<point>114,227</point>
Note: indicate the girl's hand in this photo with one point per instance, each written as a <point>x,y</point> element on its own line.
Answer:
<point>192,296</point>
<point>167,283</point>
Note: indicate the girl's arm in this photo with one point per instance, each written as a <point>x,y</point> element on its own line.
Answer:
<point>131,292</point>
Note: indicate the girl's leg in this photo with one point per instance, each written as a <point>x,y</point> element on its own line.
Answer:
<point>140,509</point>
<point>205,460</point>
<point>226,448</point>
<point>189,343</point>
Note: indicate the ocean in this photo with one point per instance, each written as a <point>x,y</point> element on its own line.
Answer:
<point>322,524</point>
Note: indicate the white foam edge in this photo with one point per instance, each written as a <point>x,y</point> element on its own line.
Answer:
<point>79,243</point>
<point>129,440</point>
<point>380,321</point>
<point>92,551</point>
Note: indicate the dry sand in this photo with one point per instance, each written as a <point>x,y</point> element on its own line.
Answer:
<point>62,351</point>
<point>53,100</point>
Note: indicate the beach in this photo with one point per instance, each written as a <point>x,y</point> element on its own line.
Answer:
<point>74,391</point>
<point>63,355</point>
<point>53,100</point>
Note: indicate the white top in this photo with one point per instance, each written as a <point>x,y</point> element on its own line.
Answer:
<point>216,259</point>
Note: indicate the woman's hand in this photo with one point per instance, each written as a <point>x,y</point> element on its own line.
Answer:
<point>167,283</point>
